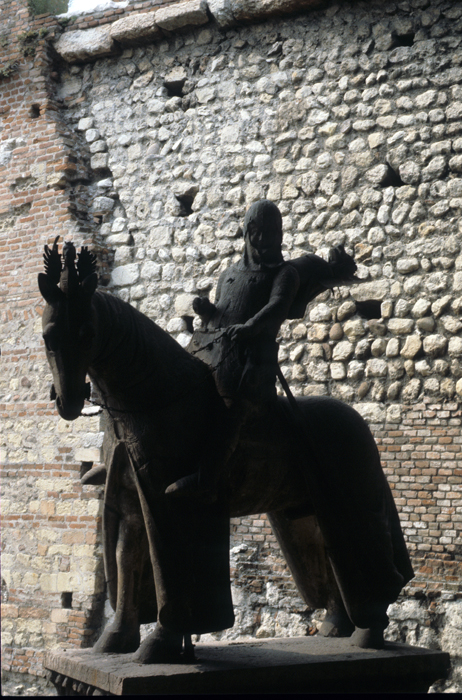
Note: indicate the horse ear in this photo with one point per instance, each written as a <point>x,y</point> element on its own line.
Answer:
<point>49,290</point>
<point>89,285</point>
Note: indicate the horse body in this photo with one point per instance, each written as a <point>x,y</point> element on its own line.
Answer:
<point>322,486</point>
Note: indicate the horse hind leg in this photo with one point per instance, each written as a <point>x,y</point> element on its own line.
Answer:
<point>304,549</point>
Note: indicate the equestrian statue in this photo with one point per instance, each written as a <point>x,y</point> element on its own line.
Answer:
<point>196,436</point>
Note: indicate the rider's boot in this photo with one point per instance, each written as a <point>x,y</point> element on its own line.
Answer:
<point>161,646</point>
<point>118,638</point>
<point>95,476</point>
<point>191,487</point>
<point>336,622</point>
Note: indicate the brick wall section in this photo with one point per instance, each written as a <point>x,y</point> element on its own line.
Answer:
<point>51,541</point>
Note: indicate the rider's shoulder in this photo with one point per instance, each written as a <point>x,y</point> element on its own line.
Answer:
<point>288,272</point>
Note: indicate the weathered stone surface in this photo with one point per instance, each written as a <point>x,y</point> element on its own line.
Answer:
<point>319,663</point>
<point>400,326</point>
<point>435,345</point>
<point>84,44</point>
<point>412,346</point>
<point>343,350</point>
<point>133,28</point>
<point>256,9</point>
<point>376,290</point>
<point>182,14</point>
<point>125,275</point>
<point>372,412</point>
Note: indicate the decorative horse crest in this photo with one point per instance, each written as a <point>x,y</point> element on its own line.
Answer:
<point>68,287</point>
<point>66,276</point>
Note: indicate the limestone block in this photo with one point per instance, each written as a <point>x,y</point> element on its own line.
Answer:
<point>400,326</point>
<point>88,454</point>
<point>457,285</point>
<point>125,275</point>
<point>435,345</point>
<point>318,332</point>
<point>354,329</point>
<point>244,10</point>
<point>99,161</point>
<point>376,368</point>
<point>376,290</point>
<point>455,346</point>
<point>85,123</point>
<point>394,413</point>
<point>321,312</point>
<point>183,14</point>
<point>411,347</point>
<point>133,28</point>
<point>102,204</point>
<point>426,324</point>
<point>343,350</point>
<point>411,390</point>
<point>407,265</point>
<point>151,270</point>
<point>371,412</point>
<point>221,11</point>
<point>85,44</point>
<point>346,310</point>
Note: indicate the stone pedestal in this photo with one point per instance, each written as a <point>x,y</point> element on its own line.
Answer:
<point>289,665</point>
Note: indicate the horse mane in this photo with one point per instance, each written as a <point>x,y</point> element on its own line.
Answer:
<point>139,353</point>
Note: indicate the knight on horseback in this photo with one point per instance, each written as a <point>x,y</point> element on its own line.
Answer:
<point>238,336</point>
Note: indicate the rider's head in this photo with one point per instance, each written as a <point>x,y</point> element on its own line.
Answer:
<point>263,233</point>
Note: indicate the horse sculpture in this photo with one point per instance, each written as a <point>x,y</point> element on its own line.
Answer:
<point>317,477</point>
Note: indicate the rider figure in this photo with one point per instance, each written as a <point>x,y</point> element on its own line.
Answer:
<point>253,298</point>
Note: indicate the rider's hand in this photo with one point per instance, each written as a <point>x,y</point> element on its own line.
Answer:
<point>239,332</point>
<point>202,306</point>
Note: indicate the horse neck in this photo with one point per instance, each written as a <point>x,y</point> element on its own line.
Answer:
<point>131,353</point>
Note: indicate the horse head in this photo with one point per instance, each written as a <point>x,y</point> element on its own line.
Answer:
<point>68,325</point>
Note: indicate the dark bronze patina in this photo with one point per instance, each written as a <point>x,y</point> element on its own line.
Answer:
<point>310,463</point>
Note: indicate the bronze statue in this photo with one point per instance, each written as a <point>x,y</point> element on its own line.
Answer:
<point>313,466</point>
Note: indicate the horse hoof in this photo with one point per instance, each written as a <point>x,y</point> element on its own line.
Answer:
<point>336,628</point>
<point>336,623</point>
<point>117,642</point>
<point>371,638</point>
<point>160,647</point>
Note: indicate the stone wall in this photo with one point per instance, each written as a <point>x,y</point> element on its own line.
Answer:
<point>349,117</point>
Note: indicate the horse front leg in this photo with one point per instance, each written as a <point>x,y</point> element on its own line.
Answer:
<point>123,634</point>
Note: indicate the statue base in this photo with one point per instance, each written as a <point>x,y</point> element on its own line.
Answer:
<point>276,665</point>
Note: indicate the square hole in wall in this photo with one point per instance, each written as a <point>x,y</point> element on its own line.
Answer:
<point>66,600</point>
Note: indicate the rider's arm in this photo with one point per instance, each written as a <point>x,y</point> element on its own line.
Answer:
<point>268,320</point>
<point>203,307</point>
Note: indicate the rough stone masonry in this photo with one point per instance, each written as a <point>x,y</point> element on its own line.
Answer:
<point>349,117</point>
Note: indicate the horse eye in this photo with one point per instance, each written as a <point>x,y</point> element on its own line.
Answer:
<point>51,342</point>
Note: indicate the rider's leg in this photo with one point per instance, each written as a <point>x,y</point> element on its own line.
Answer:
<point>203,483</point>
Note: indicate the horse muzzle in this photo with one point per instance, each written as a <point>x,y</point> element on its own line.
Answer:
<point>70,409</point>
